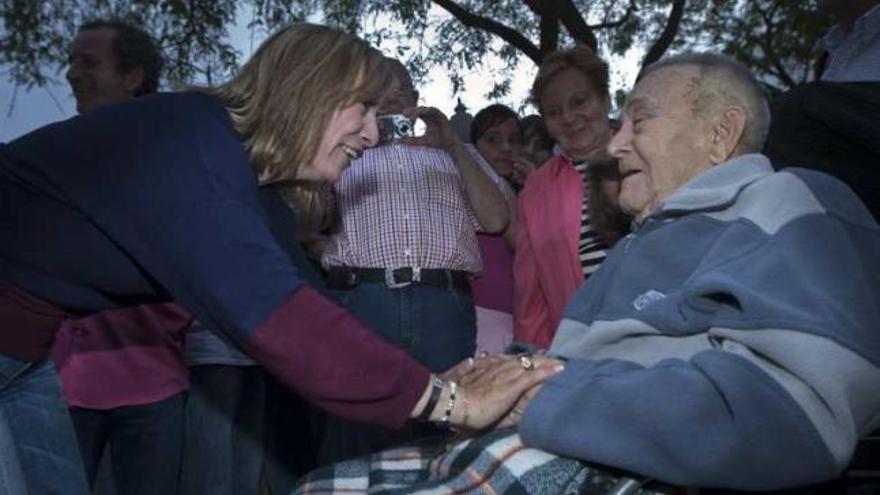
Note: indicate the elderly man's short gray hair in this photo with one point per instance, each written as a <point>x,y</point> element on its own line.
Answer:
<point>725,81</point>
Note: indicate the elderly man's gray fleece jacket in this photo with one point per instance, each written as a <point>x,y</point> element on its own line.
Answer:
<point>733,340</point>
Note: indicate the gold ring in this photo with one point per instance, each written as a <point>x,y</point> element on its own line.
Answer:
<point>527,362</point>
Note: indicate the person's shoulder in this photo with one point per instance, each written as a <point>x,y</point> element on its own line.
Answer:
<point>797,194</point>
<point>180,99</point>
<point>834,195</point>
<point>155,113</point>
<point>419,151</point>
<point>194,100</point>
<point>188,106</point>
<point>393,153</point>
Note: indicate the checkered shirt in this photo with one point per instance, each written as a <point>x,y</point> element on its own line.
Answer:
<point>405,206</point>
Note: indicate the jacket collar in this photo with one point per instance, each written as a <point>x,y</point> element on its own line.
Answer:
<point>865,28</point>
<point>718,186</point>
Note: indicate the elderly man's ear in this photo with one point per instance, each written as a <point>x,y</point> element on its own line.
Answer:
<point>727,134</point>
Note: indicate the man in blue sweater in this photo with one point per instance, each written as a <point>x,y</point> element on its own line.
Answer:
<point>737,325</point>
<point>730,341</point>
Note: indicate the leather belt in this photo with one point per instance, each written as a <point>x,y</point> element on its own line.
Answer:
<point>345,277</point>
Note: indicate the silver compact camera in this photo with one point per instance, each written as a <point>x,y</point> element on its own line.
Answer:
<point>393,128</point>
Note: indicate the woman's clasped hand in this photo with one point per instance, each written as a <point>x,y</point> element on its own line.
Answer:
<point>489,390</point>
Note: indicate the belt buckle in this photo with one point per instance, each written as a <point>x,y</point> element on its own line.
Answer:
<point>391,283</point>
<point>351,280</point>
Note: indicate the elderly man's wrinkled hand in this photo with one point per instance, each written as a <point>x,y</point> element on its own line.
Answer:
<point>515,414</point>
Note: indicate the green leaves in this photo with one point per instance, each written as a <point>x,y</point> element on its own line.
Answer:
<point>193,35</point>
<point>198,37</point>
<point>775,38</point>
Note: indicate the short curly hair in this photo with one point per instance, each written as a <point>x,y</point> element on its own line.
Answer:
<point>134,48</point>
<point>580,58</point>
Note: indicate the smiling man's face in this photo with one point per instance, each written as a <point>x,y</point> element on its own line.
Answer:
<point>93,71</point>
<point>662,143</point>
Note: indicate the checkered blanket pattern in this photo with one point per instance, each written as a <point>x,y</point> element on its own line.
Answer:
<point>495,463</point>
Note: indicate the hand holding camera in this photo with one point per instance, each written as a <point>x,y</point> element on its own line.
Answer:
<point>400,128</point>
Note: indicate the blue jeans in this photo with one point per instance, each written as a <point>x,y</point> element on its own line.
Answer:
<point>224,430</point>
<point>38,449</point>
<point>436,326</point>
<point>145,444</point>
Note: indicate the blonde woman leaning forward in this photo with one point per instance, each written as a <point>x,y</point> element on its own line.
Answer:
<point>157,199</point>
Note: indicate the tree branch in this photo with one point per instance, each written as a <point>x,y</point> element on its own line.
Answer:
<point>619,22</point>
<point>766,43</point>
<point>506,33</point>
<point>549,33</point>
<point>575,24</point>
<point>538,7</point>
<point>548,37</point>
<point>667,36</point>
<point>12,101</point>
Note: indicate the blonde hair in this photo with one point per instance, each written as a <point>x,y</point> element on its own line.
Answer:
<point>283,98</point>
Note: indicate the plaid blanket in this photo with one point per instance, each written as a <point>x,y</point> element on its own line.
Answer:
<point>495,463</point>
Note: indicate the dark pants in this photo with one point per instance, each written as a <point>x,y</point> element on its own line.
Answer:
<point>436,326</point>
<point>292,431</point>
<point>145,441</point>
<point>224,433</point>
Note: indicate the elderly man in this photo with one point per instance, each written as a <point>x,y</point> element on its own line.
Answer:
<point>737,324</point>
<point>731,341</point>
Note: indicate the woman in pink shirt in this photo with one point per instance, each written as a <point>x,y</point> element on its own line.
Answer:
<point>558,244</point>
